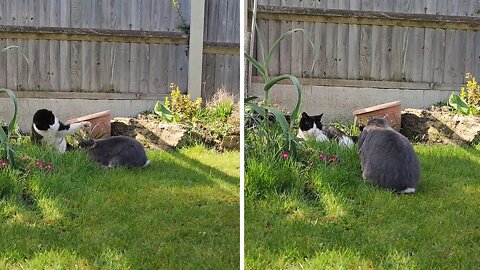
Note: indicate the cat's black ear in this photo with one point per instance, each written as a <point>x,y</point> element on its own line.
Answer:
<point>320,116</point>
<point>304,115</point>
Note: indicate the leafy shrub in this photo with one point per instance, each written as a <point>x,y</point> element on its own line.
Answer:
<point>179,107</point>
<point>468,102</point>
<point>471,91</point>
<point>217,119</point>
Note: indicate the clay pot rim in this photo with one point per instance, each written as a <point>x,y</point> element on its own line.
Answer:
<point>88,117</point>
<point>377,107</point>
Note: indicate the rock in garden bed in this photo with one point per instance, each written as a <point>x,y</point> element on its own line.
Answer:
<point>438,125</point>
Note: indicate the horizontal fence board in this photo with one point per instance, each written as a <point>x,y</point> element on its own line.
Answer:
<point>368,84</point>
<point>440,7</point>
<point>88,95</point>
<point>367,17</point>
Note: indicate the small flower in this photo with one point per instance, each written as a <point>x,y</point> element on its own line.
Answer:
<point>38,163</point>
<point>332,160</point>
<point>284,155</point>
<point>48,166</point>
<point>322,156</point>
<point>4,164</point>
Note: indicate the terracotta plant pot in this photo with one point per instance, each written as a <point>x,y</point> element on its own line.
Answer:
<point>100,121</point>
<point>390,111</point>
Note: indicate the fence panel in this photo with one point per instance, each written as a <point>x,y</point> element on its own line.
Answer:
<point>114,46</point>
<point>399,41</point>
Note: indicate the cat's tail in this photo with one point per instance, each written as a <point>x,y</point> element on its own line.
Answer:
<point>146,163</point>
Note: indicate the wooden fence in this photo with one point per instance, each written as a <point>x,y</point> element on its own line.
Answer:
<point>114,49</point>
<point>415,44</point>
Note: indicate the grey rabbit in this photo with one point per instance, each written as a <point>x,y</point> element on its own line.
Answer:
<point>387,158</point>
<point>117,151</point>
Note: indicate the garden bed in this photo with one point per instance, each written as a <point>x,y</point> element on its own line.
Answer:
<point>439,125</point>
<point>154,134</point>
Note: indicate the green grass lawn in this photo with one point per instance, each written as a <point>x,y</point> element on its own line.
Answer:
<point>337,221</point>
<point>181,212</point>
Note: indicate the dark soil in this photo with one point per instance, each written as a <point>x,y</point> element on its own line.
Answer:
<point>439,125</point>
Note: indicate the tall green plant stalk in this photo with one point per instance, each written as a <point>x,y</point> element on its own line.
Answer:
<point>263,69</point>
<point>6,148</point>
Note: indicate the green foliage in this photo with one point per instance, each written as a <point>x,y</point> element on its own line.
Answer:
<point>178,107</point>
<point>213,122</point>
<point>85,217</point>
<point>163,112</point>
<point>182,23</point>
<point>224,109</point>
<point>265,170</point>
<point>7,153</point>
<point>335,220</point>
<point>263,68</point>
<point>459,105</point>
<point>471,91</point>
<point>350,129</point>
<point>468,102</point>
<point>6,149</point>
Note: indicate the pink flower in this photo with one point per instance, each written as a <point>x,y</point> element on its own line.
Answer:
<point>38,163</point>
<point>332,160</point>
<point>4,164</point>
<point>48,166</point>
<point>322,156</point>
<point>284,155</point>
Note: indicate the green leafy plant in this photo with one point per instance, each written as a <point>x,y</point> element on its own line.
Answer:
<point>349,128</point>
<point>163,112</point>
<point>459,105</point>
<point>263,68</point>
<point>468,102</point>
<point>6,148</point>
<point>182,23</point>
<point>178,107</point>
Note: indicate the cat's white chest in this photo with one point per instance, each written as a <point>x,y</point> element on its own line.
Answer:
<point>50,137</point>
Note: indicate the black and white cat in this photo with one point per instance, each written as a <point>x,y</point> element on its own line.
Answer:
<point>47,129</point>
<point>387,158</point>
<point>311,128</point>
<point>117,151</point>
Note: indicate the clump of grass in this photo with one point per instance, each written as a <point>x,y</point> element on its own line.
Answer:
<point>222,104</point>
<point>84,216</point>
<point>271,170</point>
<point>348,224</point>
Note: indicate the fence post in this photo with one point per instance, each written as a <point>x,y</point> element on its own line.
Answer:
<point>195,54</point>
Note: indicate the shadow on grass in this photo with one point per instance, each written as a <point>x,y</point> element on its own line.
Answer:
<point>373,228</point>
<point>148,218</point>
